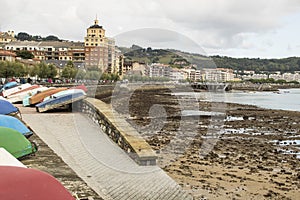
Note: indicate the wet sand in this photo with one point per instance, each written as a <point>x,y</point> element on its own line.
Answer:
<point>246,161</point>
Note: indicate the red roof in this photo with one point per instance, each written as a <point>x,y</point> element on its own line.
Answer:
<point>7,53</point>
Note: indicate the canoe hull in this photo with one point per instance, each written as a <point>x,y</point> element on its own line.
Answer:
<point>60,101</point>
<point>15,143</point>
<point>40,96</point>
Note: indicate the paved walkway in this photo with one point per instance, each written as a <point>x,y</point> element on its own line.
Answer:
<point>99,162</point>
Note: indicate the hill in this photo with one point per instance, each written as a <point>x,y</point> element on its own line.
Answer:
<point>179,59</point>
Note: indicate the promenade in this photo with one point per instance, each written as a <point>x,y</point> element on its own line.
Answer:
<point>106,168</point>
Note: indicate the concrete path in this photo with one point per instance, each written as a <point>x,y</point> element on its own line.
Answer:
<point>100,163</point>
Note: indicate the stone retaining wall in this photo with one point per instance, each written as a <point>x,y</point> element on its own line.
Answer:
<point>120,131</point>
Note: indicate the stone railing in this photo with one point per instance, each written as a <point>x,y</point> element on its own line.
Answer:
<point>120,131</point>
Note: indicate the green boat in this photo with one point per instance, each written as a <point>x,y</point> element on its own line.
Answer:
<point>15,143</point>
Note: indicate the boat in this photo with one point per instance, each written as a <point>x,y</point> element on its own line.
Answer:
<point>7,92</point>
<point>25,100</point>
<point>70,97</point>
<point>82,87</point>
<point>18,96</point>
<point>16,124</point>
<point>8,86</point>
<point>7,108</point>
<point>58,94</point>
<point>39,97</point>
<point>6,159</point>
<point>30,184</point>
<point>15,143</point>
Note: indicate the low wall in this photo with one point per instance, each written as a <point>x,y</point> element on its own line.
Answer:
<point>120,131</point>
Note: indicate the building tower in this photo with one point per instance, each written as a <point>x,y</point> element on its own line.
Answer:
<point>96,47</point>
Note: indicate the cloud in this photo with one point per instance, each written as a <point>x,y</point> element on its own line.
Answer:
<point>216,24</point>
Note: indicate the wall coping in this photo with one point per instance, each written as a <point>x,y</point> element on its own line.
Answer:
<point>142,150</point>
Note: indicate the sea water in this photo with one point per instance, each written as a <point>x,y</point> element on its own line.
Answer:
<point>286,99</point>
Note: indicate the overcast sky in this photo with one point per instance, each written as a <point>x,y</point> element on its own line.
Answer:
<point>238,28</point>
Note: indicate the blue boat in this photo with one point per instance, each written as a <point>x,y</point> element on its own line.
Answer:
<point>14,123</point>
<point>61,100</point>
<point>8,86</point>
<point>7,108</point>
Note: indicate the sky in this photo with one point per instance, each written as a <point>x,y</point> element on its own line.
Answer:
<point>236,28</point>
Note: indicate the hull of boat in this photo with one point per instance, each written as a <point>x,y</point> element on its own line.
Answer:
<point>7,108</point>
<point>18,96</point>
<point>40,96</point>
<point>13,90</point>
<point>16,124</point>
<point>8,86</point>
<point>60,101</point>
<point>18,183</point>
<point>15,143</point>
<point>25,100</point>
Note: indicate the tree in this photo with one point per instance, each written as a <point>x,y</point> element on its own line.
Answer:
<point>52,71</point>
<point>80,74</point>
<point>34,71</point>
<point>69,71</point>
<point>23,36</point>
<point>25,54</point>
<point>43,71</point>
<point>51,38</point>
<point>10,69</point>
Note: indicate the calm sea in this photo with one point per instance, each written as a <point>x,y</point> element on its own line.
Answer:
<point>287,99</point>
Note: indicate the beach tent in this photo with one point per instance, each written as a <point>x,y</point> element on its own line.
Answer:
<point>30,184</point>
<point>7,107</point>
<point>16,124</point>
<point>15,143</point>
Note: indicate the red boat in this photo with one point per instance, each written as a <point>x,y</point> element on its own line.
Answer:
<point>18,183</point>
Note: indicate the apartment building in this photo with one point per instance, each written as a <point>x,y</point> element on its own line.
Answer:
<point>7,37</point>
<point>158,70</point>
<point>73,51</point>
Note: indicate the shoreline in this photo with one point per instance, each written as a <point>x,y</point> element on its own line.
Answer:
<point>244,163</point>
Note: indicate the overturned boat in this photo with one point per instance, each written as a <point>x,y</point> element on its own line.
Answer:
<point>30,184</point>
<point>18,96</point>
<point>68,97</point>
<point>10,91</point>
<point>25,100</point>
<point>14,123</point>
<point>7,108</point>
<point>15,143</point>
<point>39,97</point>
<point>8,86</point>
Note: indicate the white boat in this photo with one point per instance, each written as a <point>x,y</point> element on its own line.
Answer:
<point>6,159</point>
<point>6,93</point>
<point>25,99</point>
<point>19,96</point>
<point>63,100</point>
<point>58,94</point>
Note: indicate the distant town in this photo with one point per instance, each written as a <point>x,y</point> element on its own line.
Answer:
<point>99,53</point>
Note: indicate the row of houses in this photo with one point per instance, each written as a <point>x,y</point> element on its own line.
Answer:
<point>97,50</point>
<point>276,76</point>
<point>159,70</point>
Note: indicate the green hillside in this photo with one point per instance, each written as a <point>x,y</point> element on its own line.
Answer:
<point>179,59</point>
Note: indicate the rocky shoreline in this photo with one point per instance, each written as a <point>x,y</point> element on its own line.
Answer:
<point>247,149</point>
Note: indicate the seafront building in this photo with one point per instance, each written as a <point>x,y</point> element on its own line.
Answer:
<point>100,51</point>
<point>55,50</point>
<point>7,37</point>
<point>7,56</point>
<point>96,51</point>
